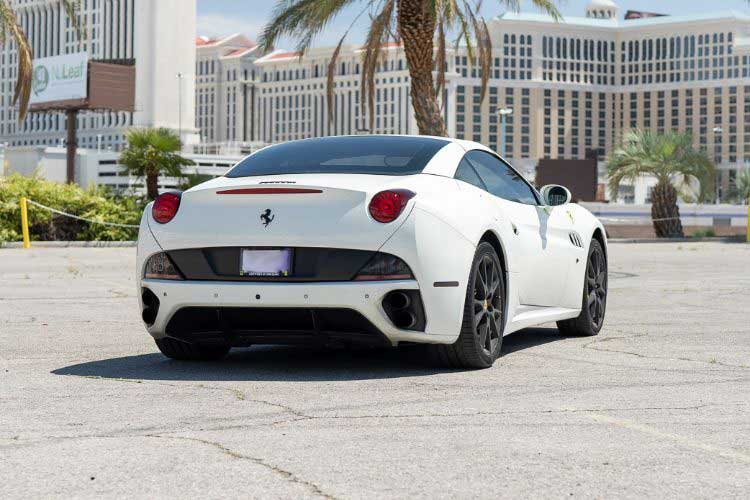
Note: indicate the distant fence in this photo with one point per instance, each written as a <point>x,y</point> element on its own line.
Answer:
<point>690,214</point>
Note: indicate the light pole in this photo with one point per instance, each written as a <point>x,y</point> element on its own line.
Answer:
<point>717,180</point>
<point>503,113</point>
<point>179,106</point>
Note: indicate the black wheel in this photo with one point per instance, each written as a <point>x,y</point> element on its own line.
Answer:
<point>176,349</point>
<point>594,305</point>
<point>478,344</point>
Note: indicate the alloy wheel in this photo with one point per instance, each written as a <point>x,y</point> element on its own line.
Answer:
<point>596,287</point>
<point>488,305</point>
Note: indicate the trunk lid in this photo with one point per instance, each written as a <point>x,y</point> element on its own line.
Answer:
<point>302,210</point>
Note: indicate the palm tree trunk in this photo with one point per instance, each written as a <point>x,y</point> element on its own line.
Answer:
<point>152,184</point>
<point>417,26</point>
<point>665,213</point>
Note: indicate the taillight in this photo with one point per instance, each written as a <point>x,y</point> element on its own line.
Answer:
<point>383,266</point>
<point>386,206</point>
<point>166,206</point>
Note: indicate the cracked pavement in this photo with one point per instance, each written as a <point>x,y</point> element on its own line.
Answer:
<point>657,405</point>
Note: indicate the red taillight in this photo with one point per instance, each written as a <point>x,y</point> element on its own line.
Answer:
<point>165,207</point>
<point>386,206</point>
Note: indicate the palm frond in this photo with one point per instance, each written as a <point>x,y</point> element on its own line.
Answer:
<point>300,19</point>
<point>329,82</point>
<point>22,91</point>
<point>74,11</point>
<point>376,38</point>
<point>743,185</point>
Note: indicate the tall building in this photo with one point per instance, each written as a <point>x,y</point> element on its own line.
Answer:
<point>580,84</point>
<point>225,79</point>
<point>157,35</point>
<point>574,87</point>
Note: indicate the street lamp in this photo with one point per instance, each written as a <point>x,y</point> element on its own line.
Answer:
<point>717,180</point>
<point>503,113</point>
<point>179,105</point>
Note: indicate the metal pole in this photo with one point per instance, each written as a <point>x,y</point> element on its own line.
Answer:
<point>747,232</point>
<point>72,116</point>
<point>502,135</point>
<point>25,223</point>
<point>179,104</point>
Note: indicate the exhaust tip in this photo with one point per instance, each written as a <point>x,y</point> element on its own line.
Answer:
<point>404,319</point>
<point>398,300</point>
<point>405,310</point>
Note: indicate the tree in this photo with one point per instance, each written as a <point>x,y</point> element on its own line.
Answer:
<point>672,160</point>
<point>152,152</point>
<point>9,27</point>
<point>417,24</point>
<point>743,186</point>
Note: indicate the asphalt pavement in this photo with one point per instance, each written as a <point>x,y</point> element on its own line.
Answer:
<point>658,405</point>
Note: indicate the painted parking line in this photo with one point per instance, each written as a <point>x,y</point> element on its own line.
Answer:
<point>682,440</point>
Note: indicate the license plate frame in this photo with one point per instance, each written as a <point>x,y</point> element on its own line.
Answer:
<point>267,263</point>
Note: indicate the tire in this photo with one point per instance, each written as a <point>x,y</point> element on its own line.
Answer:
<point>481,336</point>
<point>591,319</point>
<point>183,351</point>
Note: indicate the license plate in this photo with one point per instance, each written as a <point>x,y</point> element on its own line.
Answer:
<point>268,263</point>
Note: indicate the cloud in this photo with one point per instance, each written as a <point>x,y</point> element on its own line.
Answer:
<point>220,24</point>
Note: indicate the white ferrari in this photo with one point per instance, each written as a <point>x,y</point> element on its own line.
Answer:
<point>380,240</point>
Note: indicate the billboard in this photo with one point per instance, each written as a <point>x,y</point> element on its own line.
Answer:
<point>60,78</point>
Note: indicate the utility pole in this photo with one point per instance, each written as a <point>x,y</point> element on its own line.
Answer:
<point>717,181</point>
<point>71,119</point>
<point>179,105</point>
<point>503,113</point>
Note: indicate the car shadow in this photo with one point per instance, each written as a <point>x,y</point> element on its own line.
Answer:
<point>290,363</point>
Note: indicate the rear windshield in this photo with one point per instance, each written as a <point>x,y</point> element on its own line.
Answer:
<point>379,155</point>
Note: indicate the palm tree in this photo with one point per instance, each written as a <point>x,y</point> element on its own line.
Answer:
<point>743,186</point>
<point>670,158</point>
<point>9,27</point>
<point>417,24</point>
<point>152,152</point>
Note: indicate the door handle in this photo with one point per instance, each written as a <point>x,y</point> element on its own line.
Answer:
<point>515,228</point>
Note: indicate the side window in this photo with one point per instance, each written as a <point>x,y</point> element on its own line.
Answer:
<point>500,179</point>
<point>465,172</point>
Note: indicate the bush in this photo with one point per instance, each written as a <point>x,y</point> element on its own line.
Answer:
<point>96,203</point>
<point>704,233</point>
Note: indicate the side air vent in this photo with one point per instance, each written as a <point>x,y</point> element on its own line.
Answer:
<point>575,239</point>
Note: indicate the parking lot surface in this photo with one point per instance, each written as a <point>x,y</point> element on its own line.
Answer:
<point>657,405</point>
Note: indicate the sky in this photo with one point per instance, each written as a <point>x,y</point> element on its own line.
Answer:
<point>223,17</point>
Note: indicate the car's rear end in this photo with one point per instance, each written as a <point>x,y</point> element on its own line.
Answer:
<point>289,247</point>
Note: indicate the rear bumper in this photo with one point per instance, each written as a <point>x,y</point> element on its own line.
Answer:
<point>363,297</point>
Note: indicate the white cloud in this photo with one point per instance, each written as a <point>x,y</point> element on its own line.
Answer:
<point>220,24</point>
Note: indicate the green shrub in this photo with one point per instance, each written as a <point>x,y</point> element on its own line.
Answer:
<point>96,203</point>
<point>704,233</point>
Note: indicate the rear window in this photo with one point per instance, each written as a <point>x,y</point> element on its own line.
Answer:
<point>379,155</point>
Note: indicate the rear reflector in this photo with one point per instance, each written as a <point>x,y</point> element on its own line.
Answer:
<point>270,191</point>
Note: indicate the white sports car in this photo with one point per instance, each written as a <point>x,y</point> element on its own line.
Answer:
<point>368,239</point>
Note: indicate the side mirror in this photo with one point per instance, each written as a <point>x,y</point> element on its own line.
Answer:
<point>554,195</point>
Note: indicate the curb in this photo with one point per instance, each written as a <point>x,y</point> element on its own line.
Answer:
<point>71,244</point>
<point>719,239</point>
